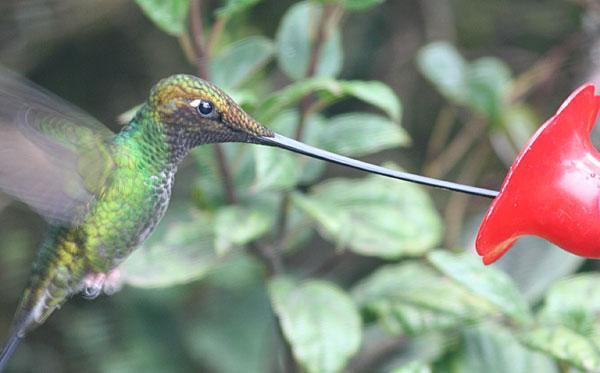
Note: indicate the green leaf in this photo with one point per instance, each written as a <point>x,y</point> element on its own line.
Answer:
<point>295,38</point>
<point>575,303</point>
<point>128,115</point>
<point>275,169</point>
<point>480,85</point>
<point>319,320</point>
<point>358,134</point>
<point>331,55</point>
<point>412,298</point>
<point>232,329</point>
<point>237,225</point>
<point>490,284</point>
<point>180,251</point>
<point>329,90</point>
<point>208,187</point>
<point>488,80</point>
<point>374,216</point>
<point>239,61</point>
<point>533,263</point>
<point>413,367</point>
<point>446,69</point>
<point>518,123</point>
<point>492,348</point>
<point>292,94</point>
<point>564,344</point>
<point>360,4</point>
<point>285,124</point>
<point>418,351</point>
<point>233,7</point>
<point>377,94</point>
<point>169,15</point>
<point>569,322</point>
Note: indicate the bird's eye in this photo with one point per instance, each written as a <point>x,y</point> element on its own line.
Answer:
<point>205,108</point>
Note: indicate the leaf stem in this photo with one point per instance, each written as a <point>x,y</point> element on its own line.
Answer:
<point>202,58</point>
<point>456,208</point>
<point>456,149</point>
<point>215,34</point>
<point>441,132</point>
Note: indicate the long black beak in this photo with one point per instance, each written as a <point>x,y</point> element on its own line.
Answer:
<point>298,147</point>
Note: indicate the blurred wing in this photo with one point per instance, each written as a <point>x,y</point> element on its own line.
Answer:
<point>53,157</point>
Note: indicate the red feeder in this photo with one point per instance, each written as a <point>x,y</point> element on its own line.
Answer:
<point>552,190</point>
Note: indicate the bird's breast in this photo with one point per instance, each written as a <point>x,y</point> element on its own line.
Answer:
<point>124,215</point>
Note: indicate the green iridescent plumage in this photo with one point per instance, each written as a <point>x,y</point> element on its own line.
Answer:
<point>105,193</point>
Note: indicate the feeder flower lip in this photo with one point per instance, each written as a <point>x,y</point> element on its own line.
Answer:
<point>552,190</point>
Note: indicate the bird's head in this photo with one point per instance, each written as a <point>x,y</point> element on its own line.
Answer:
<point>199,111</point>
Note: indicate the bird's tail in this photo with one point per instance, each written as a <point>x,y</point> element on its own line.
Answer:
<point>29,315</point>
<point>9,349</point>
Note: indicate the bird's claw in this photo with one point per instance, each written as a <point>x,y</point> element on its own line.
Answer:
<point>95,284</point>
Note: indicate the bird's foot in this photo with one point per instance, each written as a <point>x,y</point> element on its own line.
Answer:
<point>96,283</point>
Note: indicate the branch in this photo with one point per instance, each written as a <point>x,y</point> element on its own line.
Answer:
<point>201,62</point>
<point>456,207</point>
<point>198,37</point>
<point>457,148</point>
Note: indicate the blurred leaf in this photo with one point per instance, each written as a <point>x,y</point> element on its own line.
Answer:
<point>179,251</point>
<point>329,90</point>
<point>239,61</point>
<point>285,124</point>
<point>232,331</point>
<point>533,263</point>
<point>480,85</point>
<point>570,330</point>
<point>575,303</point>
<point>487,282</point>
<point>492,348</point>
<point>275,169</point>
<point>360,4</point>
<point>292,94</point>
<point>208,188</point>
<point>169,15</point>
<point>445,68</point>
<point>246,98</point>
<point>564,344</point>
<point>413,367</point>
<point>146,350</point>
<point>320,322</point>
<point>488,80</point>
<point>128,115</point>
<point>295,38</point>
<point>374,216</point>
<point>419,350</point>
<point>411,298</point>
<point>377,94</point>
<point>331,55</point>
<point>236,225</point>
<point>519,122</point>
<point>233,7</point>
<point>237,272</point>
<point>358,134</point>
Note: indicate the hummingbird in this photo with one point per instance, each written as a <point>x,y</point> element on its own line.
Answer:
<point>104,193</point>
